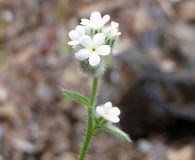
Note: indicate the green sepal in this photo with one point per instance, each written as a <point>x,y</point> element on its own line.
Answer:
<point>116,131</point>
<point>77,97</point>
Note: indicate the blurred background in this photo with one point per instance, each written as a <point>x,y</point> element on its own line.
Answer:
<point>151,79</point>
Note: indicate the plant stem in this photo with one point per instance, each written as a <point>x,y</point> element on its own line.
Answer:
<point>94,92</point>
<point>90,127</point>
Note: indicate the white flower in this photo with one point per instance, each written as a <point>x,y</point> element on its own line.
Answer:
<point>96,21</point>
<point>108,112</point>
<point>76,34</point>
<point>93,49</point>
<point>114,29</point>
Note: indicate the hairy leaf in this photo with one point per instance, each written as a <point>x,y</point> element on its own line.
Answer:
<point>77,97</point>
<point>116,131</point>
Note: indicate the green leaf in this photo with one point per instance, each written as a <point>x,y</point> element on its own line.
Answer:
<point>116,131</point>
<point>77,97</point>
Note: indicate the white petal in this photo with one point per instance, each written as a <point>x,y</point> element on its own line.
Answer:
<point>108,105</point>
<point>80,30</point>
<point>73,35</point>
<point>72,43</point>
<point>105,19</point>
<point>104,50</point>
<point>98,39</point>
<point>107,117</point>
<point>87,30</point>
<point>83,54</point>
<point>86,41</point>
<point>114,24</point>
<point>100,111</point>
<point>95,16</point>
<point>115,111</point>
<point>85,22</point>
<point>114,119</point>
<point>94,59</point>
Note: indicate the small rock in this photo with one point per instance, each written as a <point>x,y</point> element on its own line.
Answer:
<point>168,66</point>
<point>143,22</point>
<point>8,112</point>
<point>44,92</point>
<point>3,94</point>
<point>154,150</point>
<point>68,156</point>
<point>184,153</point>
<point>23,145</point>
<point>144,146</point>
<point>8,16</point>
<point>186,10</point>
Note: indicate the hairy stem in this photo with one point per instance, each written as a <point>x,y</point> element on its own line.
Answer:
<point>90,124</point>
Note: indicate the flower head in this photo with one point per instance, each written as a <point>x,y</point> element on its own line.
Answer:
<point>92,40</point>
<point>93,49</point>
<point>114,29</point>
<point>108,112</point>
<point>96,21</point>
<point>76,34</point>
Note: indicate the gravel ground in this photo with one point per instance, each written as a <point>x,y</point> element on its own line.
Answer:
<point>36,121</point>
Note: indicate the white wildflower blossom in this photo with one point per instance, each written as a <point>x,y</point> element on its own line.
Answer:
<point>108,112</point>
<point>114,29</point>
<point>92,40</point>
<point>76,34</point>
<point>96,21</point>
<point>93,49</point>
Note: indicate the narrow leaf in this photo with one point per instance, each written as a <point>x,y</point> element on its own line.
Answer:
<point>116,131</point>
<point>77,97</point>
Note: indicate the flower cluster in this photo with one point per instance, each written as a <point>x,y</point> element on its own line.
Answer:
<point>108,112</point>
<point>93,41</point>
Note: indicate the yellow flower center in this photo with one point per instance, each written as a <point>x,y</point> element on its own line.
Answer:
<point>93,49</point>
